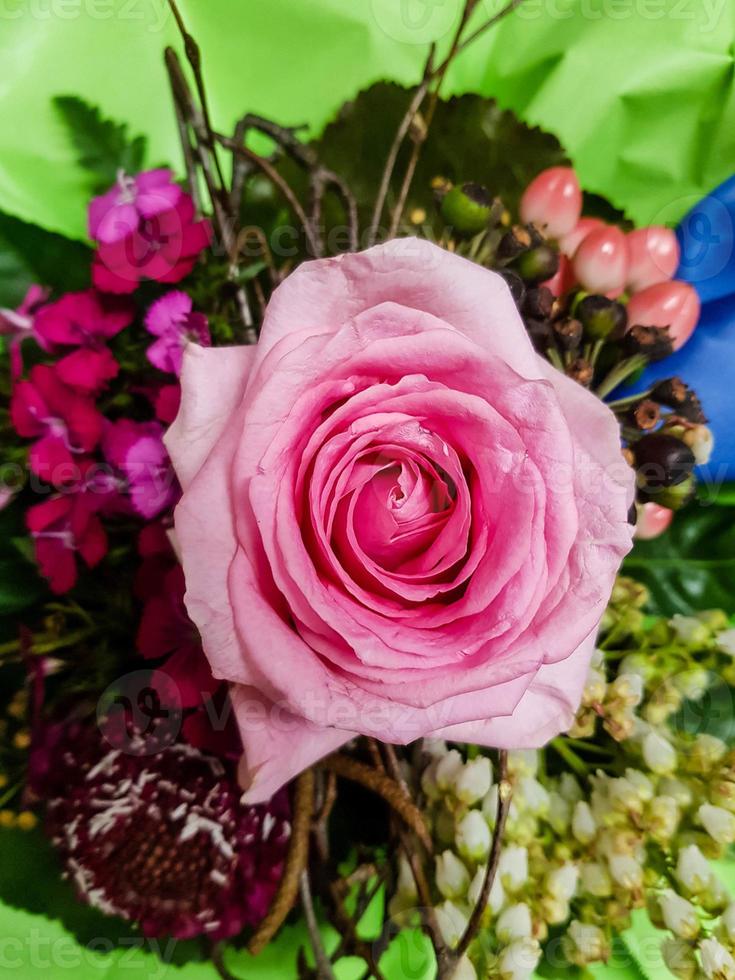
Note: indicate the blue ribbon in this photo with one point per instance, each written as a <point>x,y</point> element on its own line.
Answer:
<point>707,361</point>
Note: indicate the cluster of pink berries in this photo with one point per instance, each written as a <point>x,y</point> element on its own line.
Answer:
<point>601,258</point>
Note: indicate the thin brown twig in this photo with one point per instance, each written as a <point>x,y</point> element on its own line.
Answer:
<point>390,162</point>
<point>452,957</point>
<point>471,38</point>
<point>323,964</point>
<point>288,887</point>
<point>384,786</point>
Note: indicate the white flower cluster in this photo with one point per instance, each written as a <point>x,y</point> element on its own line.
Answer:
<point>624,813</point>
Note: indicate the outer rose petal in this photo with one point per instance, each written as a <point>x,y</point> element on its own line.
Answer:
<point>213,383</point>
<point>547,708</point>
<point>277,745</point>
<point>320,297</point>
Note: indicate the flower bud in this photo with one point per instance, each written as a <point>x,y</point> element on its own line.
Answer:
<point>465,970</point>
<point>689,629</point>
<point>537,264</point>
<point>652,521</point>
<point>728,923</point>
<point>641,782</point>
<point>601,318</point>
<point>662,461</point>
<point>562,882</point>
<point>584,943</point>
<point>677,790</point>
<point>626,871</point>
<point>653,256</point>
<point>584,825</point>
<point>671,304</point>
<point>693,870</point>
<point>406,883</point>
<point>452,878</point>
<point>705,753</point>
<point>679,915</point>
<point>659,754</point>
<point>627,688</point>
<point>514,923</point>
<point>595,880</point>
<point>674,497</point>
<point>679,957</point>
<point>717,961</point>
<point>496,898</point>
<point>452,922</point>
<point>726,642</point>
<point>701,441</point>
<point>522,762</point>
<point>447,770</point>
<point>467,208</point>
<point>532,796</point>
<point>519,960</point>
<point>663,818</point>
<point>553,201</point>
<point>718,822</point>
<point>553,910</point>
<point>473,836</point>
<point>560,813</point>
<point>601,261</point>
<point>693,683</point>
<point>473,780</point>
<point>513,868</point>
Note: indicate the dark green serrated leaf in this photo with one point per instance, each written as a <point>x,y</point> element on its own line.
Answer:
<point>692,565</point>
<point>103,146</point>
<point>29,254</point>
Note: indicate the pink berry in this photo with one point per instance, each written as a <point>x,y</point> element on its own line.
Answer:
<point>652,521</point>
<point>653,256</point>
<point>564,279</point>
<point>553,201</point>
<point>601,261</point>
<point>570,242</point>
<point>672,304</point>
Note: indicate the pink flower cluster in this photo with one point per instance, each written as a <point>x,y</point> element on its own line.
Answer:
<point>92,460</point>
<point>601,258</point>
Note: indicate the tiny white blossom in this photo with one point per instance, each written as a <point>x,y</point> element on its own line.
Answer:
<point>452,877</point>
<point>447,769</point>
<point>496,898</point>
<point>679,915</point>
<point>473,836</point>
<point>663,818</point>
<point>513,867</point>
<point>692,683</point>
<point>718,822</point>
<point>560,813</point>
<point>519,960</point>
<point>659,754</point>
<point>689,629</point>
<point>523,762</point>
<point>626,871</point>
<point>490,805</point>
<point>569,787</point>
<point>728,922</point>
<point>726,642</point>
<point>435,747</point>
<point>584,825</point>
<point>533,795</point>
<point>641,783</point>
<point>717,961</point>
<point>677,790</point>
<point>473,780</point>
<point>585,943</point>
<point>562,882</point>
<point>465,970</point>
<point>678,955</point>
<point>627,688</point>
<point>692,869</point>
<point>452,922</point>
<point>514,923</point>
<point>596,880</point>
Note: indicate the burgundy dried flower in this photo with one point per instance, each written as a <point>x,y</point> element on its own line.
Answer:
<point>162,839</point>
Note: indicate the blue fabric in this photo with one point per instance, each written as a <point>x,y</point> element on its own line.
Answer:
<point>707,361</point>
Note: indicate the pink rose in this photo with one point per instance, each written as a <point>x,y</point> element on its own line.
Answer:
<point>398,520</point>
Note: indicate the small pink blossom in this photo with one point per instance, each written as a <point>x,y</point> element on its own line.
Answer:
<point>166,403</point>
<point>136,449</point>
<point>87,321</point>
<point>64,422</point>
<point>145,228</point>
<point>173,321</point>
<point>19,324</point>
<point>64,527</point>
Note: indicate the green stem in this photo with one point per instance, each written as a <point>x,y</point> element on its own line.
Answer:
<point>621,403</point>
<point>43,643</point>
<point>595,352</point>
<point>553,356</point>
<point>9,794</point>
<point>620,373</point>
<point>561,744</point>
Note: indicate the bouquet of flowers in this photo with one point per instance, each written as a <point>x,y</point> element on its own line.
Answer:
<point>317,491</point>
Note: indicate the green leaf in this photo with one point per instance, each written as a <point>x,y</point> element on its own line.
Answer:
<point>29,254</point>
<point>692,565</point>
<point>103,147</point>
